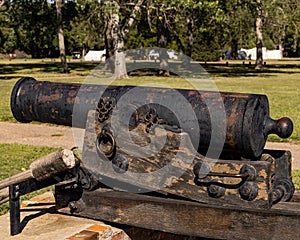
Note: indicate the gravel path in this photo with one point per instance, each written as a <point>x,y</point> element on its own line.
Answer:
<point>59,136</point>
<point>36,134</point>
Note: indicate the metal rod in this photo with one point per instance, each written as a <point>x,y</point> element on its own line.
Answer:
<point>229,175</point>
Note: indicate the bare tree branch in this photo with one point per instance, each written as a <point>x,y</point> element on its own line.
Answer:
<point>135,11</point>
<point>2,3</point>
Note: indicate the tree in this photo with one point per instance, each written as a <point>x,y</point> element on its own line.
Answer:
<point>188,24</point>
<point>61,41</point>
<point>32,32</point>
<point>259,35</point>
<point>116,34</point>
<point>162,41</point>
<point>280,17</point>
<point>198,29</point>
<point>88,26</point>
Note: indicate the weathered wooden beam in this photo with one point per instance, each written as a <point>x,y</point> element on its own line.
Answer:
<point>191,218</point>
<point>4,195</point>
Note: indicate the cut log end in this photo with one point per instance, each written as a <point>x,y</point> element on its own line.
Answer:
<point>52,164</point>
<point>68,158</point>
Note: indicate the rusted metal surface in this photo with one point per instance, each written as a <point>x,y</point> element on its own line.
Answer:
<point>247,115</point>
<point>256,184</point>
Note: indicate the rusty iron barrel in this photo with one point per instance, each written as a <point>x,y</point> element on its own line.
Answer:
<point>247,119</point>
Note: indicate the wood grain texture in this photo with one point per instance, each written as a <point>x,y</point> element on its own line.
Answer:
<point>191,218</point>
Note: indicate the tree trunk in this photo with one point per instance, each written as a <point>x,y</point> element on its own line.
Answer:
<point>83,51</point>
<point>109,45</point>
<point>259,37</point>
<point>187,58</point>
<point>61,41</point>
<point>280,47</point>
<point>234,48</point>
<point>109,54</point>
<point>118,42</point>
<point>114,34</point>
<point>162,44</point>
<point>190,24</point>
<point>281,39</point>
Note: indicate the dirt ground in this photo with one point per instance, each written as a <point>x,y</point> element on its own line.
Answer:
<point>59,136</point>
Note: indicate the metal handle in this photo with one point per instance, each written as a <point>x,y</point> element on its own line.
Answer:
<point>106,144</point>
<point>202,170</point>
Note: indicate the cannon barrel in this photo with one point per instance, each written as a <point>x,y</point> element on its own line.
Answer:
<point>247,119</point>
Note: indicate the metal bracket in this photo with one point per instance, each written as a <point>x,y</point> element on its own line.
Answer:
<point>14,206</point>
<point>18,190</point>
<point>202,170</point>
<point>216,188</point>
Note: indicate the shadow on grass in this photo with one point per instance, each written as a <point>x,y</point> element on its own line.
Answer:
<point>247,70</point>
<point>222,69</point>
<point>42,67</point>
<point>217,69</point>
<point>9,77</point>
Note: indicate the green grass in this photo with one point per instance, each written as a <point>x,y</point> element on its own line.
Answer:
<point>296,178</point>
<point>16,158</point>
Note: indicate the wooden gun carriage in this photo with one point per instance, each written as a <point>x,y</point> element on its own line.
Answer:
<point>146,166</point>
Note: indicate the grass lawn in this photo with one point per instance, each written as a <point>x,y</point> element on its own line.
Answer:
<point>296,178</point>
<point>16,158</point>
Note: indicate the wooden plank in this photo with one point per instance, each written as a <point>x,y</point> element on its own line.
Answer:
<point>189,218</point>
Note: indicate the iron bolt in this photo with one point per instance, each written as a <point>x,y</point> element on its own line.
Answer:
<point>248,191</point>
<point>120,164</point>
<point>214,190</point>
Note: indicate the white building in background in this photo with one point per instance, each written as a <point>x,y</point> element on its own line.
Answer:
<point>267,54</point>
<point>94,55</point>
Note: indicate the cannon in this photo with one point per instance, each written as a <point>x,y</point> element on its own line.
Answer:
<point>158,141</point>
<point>246,119</point>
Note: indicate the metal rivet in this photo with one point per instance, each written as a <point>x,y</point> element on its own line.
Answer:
<point>248,191</point>
<point>120,164</point>
<point>214,190</point>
